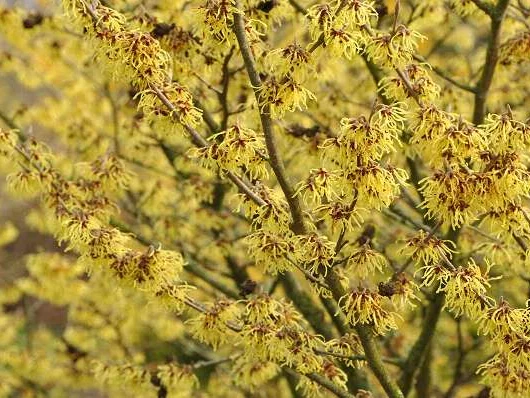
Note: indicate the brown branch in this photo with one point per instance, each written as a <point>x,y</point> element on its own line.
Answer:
<point>424,379</point>
<point>266,123</point>
<point>484,6</point>
<point>443,74</point>
<point>324,382</point>
<point>298,7</point>
<point>302,299</point>
<point>421,345</point>
<point>196,138</point>
<point>492,54</point>
<point>200,141</point>
<point>365,333</point>
<point>392,361</point>
<point>207,117</point>
<point>12,125</point>
<point>223,96</point>
<point>459,362</point>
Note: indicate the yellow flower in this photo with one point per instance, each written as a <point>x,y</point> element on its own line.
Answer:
<point>394,49</point>
<point>137,54</point>
<point>321,19</point>
<point>400,289</point>
<point>110,171</point>
<point>362,140</point>
<point>149,270</point>
<point>342,43</point>
<point>25,182</point>
<point>274,215</point>
<point>363,306</point>
<point>377,186</point>
<point>440,137</point>
<point>212,326</point>
<point>251,373</point>
<point>283,95</point>
<point>347,345</point>
<point>508,219</point>
<point>506,379</point>
<point>466,289</point>
<point>291,60</point>
<point>235,149</point>
<point>8,141</point>
<point>216,18</point>
<point>451,197</point>
<point>180,98</point>
<point>274,332</point>
<point>315,252</point>
<point>127,375</point>
<point>320,186</point>
<point>340,215</point>
<point>432,273</point>
<point>178,380</point>
<point>515,49</point>
<point>270,251</point>
<point>355,13</point>
<point>262,308</point>
<point>425,248</point>
<point>363,261</point>
<point>501,320</point>
<point>422,85</point>
<point>505,134</point>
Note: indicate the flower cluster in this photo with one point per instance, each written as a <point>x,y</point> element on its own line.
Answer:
<point>366,307</point>
<point>506,372</point>
<point>271,251</point>
<point>465,289</point>
<point>213,325</point>
<point>395,48</point>
<point>426,248</point>
<point>420,85</point>
<point>147,66</point>
<point>273,332</point>
<point>217,18</point>
<point>319,186</point>
<point>283,95</point>
<point>442,137</point>
<point>363,261</point>
<point>358,151</point>
<point>515,49</point>
<point>340,25</point>
<point>236,148</point>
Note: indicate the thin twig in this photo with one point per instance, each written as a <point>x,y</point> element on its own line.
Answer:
<point>492,54</point>
<point>324,382</point>
<point>392,361</point>
<point>266,123</point>
<point>443,74</point>
<point>12,125</point>
<point>200,141</point>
